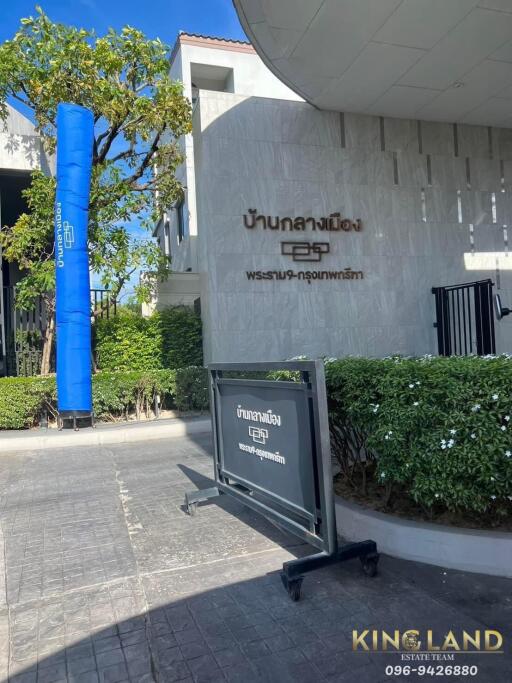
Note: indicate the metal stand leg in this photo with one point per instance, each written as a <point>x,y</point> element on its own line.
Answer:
<point>294,570</point>
<point>195,497</point>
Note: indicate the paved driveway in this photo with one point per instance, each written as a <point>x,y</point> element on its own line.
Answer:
<point>104,578</point>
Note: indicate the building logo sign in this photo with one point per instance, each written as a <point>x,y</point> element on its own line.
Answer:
<point>304,251</point>
<point>310,252</point>
<point>331,223</point>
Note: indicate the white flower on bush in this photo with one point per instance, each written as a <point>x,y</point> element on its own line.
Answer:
<point>416,403</point>
<point>495,397</point>
<point>382,475</point>
<point>437,495</point>
<point>508,454</point>
<point>476,408</point>
<point>443,444</point>
<point>507,418</point>
<point>453,431</point>
<point>417,384</point>
<point>493,479</point>
<point>411,386</point>
<point>450,443</point>
<point>503,428</point>
<point>473,436</point>
<point>493,497</point>
<point>375,406</point>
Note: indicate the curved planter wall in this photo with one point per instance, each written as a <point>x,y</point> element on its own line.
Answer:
<point>488,552</point>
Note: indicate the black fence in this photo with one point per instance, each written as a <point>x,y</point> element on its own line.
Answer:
<point>21,332</point>
<point>465,319</point>
<point>103,305</point>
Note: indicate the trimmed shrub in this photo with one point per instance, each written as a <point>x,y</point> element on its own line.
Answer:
<point>128,341</point>
<point>119,394</point>
<point>182,340</point>
<point>115,394</point>
<point>191,390</point>
<point>168,339</point>
<point>23,398</point>
<point>438,428</point>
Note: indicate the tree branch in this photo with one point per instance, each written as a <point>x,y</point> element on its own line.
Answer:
<point>111,135</point>
<point>147,159</point>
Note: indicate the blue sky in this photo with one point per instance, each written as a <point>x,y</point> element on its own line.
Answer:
<point>157,18</point>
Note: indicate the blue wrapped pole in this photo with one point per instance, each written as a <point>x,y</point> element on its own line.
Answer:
<point>75,131</point>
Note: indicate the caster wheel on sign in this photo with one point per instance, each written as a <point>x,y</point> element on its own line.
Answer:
<point>369,564</point>
<point>294,589</point>
<point>192,509</point>
<point>292,586</point>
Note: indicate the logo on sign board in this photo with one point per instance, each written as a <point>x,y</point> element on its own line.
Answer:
<point>258,434</point>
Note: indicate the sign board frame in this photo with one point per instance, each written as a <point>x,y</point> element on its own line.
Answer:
<point>310,514</point>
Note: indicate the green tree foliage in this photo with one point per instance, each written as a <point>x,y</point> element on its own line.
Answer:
<point>171,338</point>
<point>139,115</point>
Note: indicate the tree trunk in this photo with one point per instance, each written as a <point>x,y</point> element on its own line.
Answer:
<point>49,334</point>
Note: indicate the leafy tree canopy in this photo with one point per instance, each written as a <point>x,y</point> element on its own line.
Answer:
<point>139,115</point>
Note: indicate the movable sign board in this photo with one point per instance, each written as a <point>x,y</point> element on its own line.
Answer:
<point>272,452</point>
<point>266,441</point>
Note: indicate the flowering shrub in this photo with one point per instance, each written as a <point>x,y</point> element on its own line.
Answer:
<point>439,428</point>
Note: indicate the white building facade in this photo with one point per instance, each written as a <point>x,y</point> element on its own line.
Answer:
<point>322,232</point>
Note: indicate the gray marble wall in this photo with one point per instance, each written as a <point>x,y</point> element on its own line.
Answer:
<point>431,197</point>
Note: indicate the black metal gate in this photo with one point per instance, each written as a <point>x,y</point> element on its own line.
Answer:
<point>465,319</point>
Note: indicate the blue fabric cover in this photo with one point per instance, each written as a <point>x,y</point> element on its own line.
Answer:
<point>75,130</point>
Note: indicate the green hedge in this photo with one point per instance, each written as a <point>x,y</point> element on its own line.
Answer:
<point>191,389</point>
<point>128,341</point>
<point>167,339</point>
<point>115,394</point>
<point>439,429</point>
<point>119,394</point>
<point>23,398</point>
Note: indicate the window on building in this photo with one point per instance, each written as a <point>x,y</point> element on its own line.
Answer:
<point>180,220</point>
<point>167,238</point>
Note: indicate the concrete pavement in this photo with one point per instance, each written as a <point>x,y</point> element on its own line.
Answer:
<point>107,579</point>
<point>102,434</point>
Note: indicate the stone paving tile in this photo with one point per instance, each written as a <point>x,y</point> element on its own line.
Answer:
<point>107,580</point>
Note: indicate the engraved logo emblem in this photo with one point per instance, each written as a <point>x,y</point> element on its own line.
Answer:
<point>310,252</point>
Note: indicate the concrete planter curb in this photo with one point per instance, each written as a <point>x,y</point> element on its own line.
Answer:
<point>104,435</point>
<point>486,552</point>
